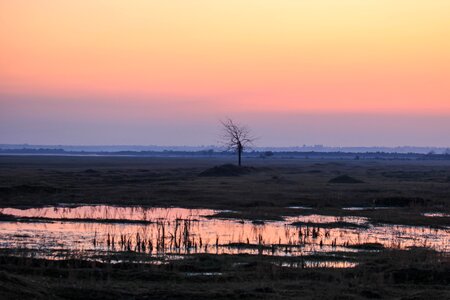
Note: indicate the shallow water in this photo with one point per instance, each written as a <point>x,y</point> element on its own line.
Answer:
<point>320,264</point>
<point>178,231</point>
<point>357,208</point>
<point>436,215</point>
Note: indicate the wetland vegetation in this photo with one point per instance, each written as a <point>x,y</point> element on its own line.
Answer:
<point>198,228</point>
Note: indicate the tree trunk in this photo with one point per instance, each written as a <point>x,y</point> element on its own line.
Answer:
<point>239,154</point>
<point>239,157</point>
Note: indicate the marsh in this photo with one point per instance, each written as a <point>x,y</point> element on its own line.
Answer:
<point>282,223</point>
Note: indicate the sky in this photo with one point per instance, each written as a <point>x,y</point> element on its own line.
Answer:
<point>338,73</point>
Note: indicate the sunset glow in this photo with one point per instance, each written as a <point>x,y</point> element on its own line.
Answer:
<point>125,63</point>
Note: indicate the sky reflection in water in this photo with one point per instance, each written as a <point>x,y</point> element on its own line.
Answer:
<point>184,231</point>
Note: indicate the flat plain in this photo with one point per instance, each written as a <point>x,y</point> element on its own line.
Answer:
<point>413,193</point>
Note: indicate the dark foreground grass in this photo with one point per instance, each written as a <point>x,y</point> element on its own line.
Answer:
<point>394,274</point>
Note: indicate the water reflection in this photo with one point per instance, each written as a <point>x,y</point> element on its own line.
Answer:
<point>178,231</point>
<point>320,264</point>
<point>106,212</point>
<point>437,215</point>
<point>357,208</point>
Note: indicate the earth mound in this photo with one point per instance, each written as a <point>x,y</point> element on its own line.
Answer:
<point>226,171</point>
<point>345,179</point>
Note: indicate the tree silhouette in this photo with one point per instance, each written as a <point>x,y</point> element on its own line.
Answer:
<point>236,137</point>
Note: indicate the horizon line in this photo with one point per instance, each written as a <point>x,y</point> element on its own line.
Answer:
<point>218,146</point>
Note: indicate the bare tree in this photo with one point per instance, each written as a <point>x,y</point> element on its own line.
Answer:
<point>236,137</point>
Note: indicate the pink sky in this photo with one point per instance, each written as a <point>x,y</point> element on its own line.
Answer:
<point>348,72</point>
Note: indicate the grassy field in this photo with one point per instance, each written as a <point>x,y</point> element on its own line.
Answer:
<point>414,274</point>
<point>266,190</point>
<point>264,193</point>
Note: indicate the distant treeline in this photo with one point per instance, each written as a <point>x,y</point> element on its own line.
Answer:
<point>216,148</point>
<point>255,154</point>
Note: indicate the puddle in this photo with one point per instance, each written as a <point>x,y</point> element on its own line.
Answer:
<point>204,274</point>
<point>320,264</point>
<point>106,212</point>
<point>436,215</point>
<point>368,208</point>
<point>299,207</point>
<point>178,231</point>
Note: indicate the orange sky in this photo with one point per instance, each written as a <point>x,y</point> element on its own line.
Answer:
<point>203,57</point>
